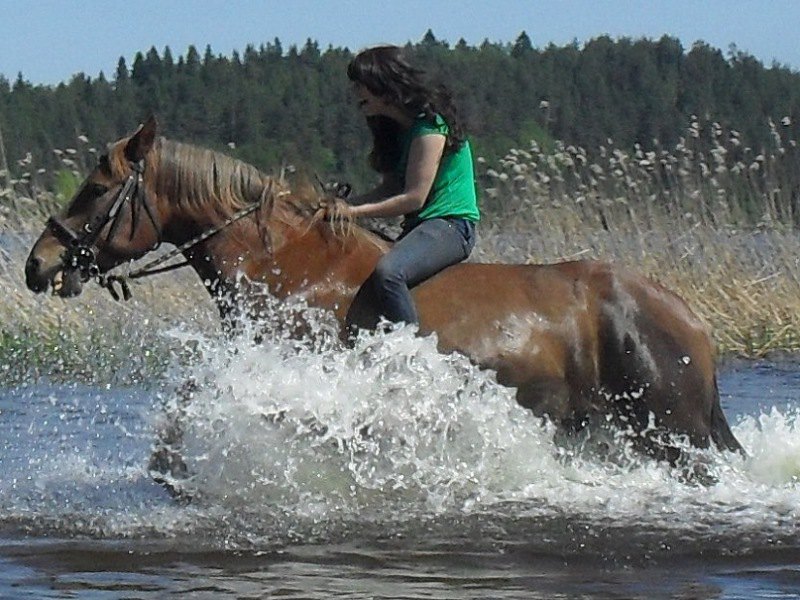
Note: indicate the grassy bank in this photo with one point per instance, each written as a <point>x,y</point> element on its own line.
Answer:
<point>717,226</point>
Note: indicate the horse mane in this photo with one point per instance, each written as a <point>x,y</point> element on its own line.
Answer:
<point>200,180</point>
<point>304,202</point>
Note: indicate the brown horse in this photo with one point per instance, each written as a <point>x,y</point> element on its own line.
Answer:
<point>580,341</point>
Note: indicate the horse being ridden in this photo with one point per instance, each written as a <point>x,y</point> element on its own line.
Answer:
<point>578,340</point>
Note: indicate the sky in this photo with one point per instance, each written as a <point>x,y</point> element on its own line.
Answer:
<point>49,41</point>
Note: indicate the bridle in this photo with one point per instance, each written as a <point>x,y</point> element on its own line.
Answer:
<point>80,255</point>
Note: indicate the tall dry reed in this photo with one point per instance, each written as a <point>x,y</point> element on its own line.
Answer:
<point>710,219</point>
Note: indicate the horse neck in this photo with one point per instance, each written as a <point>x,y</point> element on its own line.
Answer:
<point>198,189</point>
<point>296,258</point>
<point>324,267</point>
<point>217,259</point>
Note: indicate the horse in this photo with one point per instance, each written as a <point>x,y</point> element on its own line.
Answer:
<point>582,341</point>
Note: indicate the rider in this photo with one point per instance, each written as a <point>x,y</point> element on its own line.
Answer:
<point>420,149</point>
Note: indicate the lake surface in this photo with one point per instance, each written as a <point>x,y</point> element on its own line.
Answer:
<point>386,471</point>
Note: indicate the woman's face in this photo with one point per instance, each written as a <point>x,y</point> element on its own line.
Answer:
<point>370,104</point>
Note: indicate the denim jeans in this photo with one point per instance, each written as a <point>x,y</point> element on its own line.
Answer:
<point>420,253</point>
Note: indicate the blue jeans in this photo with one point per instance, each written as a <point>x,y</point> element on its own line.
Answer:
<point>420,253</point>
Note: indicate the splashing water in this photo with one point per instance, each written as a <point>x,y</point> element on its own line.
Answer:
<point>390,420</point>
<point>291,440</point>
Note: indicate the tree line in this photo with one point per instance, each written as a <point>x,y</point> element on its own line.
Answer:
<point>273,106</point>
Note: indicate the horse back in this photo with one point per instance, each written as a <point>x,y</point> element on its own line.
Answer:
<point>526,321</point>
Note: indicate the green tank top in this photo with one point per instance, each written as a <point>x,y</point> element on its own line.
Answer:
<point>453,193</point>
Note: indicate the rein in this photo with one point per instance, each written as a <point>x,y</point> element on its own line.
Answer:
<point>152,267</point>
<point>80,254</point>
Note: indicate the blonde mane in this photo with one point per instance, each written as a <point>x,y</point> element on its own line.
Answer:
<point>198,179</point>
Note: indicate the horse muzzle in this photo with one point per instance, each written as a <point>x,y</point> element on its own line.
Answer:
<point>41,276</point>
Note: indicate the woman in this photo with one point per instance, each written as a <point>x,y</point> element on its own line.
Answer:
<point>420,149</point>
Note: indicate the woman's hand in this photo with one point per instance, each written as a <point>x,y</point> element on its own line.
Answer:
<point>423,163</point>
<point>331,208</point>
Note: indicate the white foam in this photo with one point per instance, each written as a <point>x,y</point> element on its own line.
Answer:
<point>392,423</point>
<point>284,439</point>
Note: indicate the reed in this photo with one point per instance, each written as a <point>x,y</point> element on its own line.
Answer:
<point>708,218</point>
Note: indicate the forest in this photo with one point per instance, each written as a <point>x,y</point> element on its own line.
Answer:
<point>274,106</point>
<point>680,163</point>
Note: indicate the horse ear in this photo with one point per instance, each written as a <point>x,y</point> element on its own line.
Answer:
<point>142,141</point>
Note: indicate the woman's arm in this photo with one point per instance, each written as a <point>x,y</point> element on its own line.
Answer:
<point>423,162</point>
<point>388,187</point>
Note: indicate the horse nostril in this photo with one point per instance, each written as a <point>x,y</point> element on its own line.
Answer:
<point>33,265</point>
<point>33,275</point>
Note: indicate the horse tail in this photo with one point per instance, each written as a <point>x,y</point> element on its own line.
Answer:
<point>721,432</point>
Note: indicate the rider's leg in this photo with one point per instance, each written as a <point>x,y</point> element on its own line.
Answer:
<point>427,249</point>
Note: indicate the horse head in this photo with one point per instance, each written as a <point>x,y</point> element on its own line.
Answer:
<point>103,224</point>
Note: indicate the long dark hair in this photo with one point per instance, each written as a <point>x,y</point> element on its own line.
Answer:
<point>386,73</point>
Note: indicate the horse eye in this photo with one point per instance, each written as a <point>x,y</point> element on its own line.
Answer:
<point>99,190</point>
<point>103,164</point>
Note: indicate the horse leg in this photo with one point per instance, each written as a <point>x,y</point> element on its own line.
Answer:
<point>166,464</point>
<point>545,397</point>
<point>658,372</point>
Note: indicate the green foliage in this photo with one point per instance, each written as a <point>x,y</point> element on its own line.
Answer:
<point>275,106</point>
<point>65,185</point>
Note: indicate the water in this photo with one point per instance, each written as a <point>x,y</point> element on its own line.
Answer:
<point>386,471</point>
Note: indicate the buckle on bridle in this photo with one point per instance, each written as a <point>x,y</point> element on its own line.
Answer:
<point>83,259</point>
